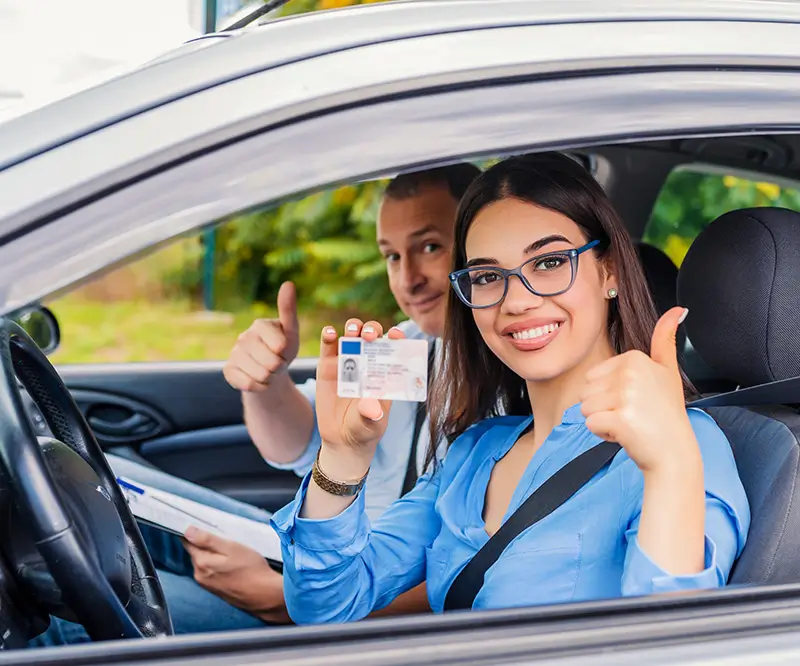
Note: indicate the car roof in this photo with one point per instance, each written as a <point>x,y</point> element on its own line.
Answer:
<point>218,59</point>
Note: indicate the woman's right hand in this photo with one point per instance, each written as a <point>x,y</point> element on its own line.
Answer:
<point>348,427</point>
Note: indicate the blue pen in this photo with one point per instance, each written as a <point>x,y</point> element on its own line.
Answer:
<point>130,486</point>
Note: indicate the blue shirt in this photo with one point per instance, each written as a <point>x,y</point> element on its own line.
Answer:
<point>342,569</point>
<point>388,469</point>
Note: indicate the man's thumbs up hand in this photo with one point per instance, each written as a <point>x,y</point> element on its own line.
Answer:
<point>266,349</point>
<point>287,317</point>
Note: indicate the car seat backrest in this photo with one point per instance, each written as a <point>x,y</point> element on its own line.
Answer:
<point>662,279</point>
<point>661,274</point>
<point>739,281</point>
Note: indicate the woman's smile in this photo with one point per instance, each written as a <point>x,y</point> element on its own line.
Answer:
<point>532,334</point>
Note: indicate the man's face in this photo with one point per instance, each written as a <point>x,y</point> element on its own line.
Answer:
<point>415,236</point>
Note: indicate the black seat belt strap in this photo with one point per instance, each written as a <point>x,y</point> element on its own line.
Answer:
<point>544,500</point>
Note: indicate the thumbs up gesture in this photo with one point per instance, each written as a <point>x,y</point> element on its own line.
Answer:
<point>266,349</point>
<point>637,400</point>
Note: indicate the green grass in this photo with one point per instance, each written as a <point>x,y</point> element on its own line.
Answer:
<point>123,331</point>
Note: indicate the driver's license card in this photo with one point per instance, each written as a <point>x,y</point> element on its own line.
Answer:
<point>384,368</point>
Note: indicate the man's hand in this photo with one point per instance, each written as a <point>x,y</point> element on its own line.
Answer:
<point>265,350</point>
<point>237,574</point>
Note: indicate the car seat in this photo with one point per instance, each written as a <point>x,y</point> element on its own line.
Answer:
<point>740,283</point>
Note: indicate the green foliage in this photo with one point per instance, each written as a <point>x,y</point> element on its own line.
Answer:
<point>690,200</point>
<point>324,243</point>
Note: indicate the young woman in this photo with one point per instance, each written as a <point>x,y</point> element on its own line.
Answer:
<point>553,317</point>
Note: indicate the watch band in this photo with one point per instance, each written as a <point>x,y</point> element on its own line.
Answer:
<point>335,487</point>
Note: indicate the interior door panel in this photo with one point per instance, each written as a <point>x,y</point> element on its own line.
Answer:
<point>182,418</point>
<point>117,420</point>
<point>225,459</point>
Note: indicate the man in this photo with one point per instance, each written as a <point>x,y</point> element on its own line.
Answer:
<point>237,588</point>
<point>415,235</point>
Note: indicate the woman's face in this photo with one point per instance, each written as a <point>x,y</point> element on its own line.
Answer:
<point>540,338</point>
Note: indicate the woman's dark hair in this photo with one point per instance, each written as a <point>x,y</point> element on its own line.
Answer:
<point>474,384</point>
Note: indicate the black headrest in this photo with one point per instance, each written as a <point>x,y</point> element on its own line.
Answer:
<point>741,283</point>
<point>661,274</point>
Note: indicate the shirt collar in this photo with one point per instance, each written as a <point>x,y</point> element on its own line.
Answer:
<point>573,415</point>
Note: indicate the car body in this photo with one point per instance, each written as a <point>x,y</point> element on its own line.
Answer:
<point>642,88</point>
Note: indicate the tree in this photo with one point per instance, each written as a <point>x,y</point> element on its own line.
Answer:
<point>324,243</point>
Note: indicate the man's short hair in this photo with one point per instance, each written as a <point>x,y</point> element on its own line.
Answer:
<point>457,178</point>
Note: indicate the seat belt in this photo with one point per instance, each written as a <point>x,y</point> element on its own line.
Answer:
<point>781,392</point>
<point>574,475</point>
<point>410,479</point>
<point>545,499</point>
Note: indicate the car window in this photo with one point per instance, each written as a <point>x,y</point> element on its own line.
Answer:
<point>188,301</point>
<point>692,198</point>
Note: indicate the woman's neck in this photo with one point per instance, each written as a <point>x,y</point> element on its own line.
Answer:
<point>550,399</point>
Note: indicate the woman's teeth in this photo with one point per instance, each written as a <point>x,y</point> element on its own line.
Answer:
<point>533,333</point>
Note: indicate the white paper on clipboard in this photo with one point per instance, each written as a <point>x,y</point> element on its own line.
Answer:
<point>175,514</point>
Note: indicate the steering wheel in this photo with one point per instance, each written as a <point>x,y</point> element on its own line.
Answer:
<point>71,541</point>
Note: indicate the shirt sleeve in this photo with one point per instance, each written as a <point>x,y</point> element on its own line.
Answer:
<point>342,569</point>
<point>727,521</point>
<point>302,465</point>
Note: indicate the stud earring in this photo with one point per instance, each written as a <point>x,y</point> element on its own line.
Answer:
<point>612,293</point>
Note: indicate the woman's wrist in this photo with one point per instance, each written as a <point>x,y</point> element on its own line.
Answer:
<point>338,466</point>
<point>680,455</point>
<point>346,466</point>
<point>677,471</point>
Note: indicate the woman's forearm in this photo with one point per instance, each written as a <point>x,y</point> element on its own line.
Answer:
<point>672,524</point>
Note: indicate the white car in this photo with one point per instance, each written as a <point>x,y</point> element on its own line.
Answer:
<point>238,120</point>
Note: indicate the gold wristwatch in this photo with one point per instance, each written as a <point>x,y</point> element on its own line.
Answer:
<point>335,487</point>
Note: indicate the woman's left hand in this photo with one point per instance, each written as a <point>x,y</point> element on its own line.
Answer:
<point>637,401</point>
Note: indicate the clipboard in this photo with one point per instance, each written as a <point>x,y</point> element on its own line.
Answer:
<point>174,514</point>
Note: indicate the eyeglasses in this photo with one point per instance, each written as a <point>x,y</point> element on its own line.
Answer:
<point>548,274</point>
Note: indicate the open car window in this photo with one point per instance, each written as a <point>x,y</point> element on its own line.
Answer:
<point>693,196</point>
<point>188,300</point>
